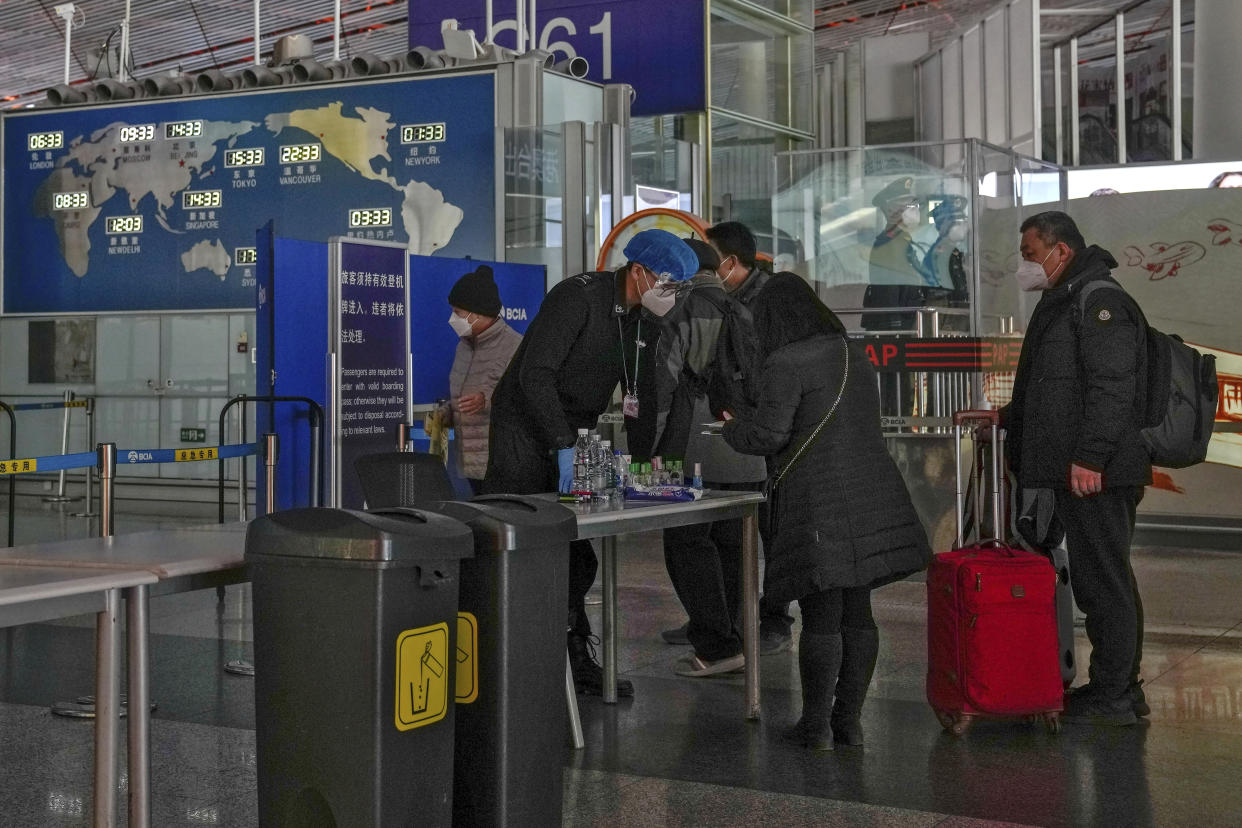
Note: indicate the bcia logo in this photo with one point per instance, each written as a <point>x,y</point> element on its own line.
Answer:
<point>514,313</point>
<point>138,456</point>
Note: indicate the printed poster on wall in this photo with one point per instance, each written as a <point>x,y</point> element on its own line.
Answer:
<point>368,300</point>
<point>153,205</point>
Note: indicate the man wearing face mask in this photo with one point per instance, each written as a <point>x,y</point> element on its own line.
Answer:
<point>896,277</point>
<point>744,282</point>
<point>484,349</point>
<point>1078,405</point>
<point>944,264</point>
<point>580,344</point>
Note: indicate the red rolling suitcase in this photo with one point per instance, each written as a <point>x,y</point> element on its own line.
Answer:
<point>992,636</point>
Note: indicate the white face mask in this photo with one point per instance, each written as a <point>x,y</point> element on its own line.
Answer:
<point>460,324</point>
<point>910,217</point>
<point>1031,275</point>
<point>660,299</point>
<point>957,232</point>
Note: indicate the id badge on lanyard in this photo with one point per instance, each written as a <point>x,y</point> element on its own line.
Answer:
<point>629,402</point>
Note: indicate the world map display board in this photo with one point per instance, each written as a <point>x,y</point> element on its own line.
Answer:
<point>154,205</point>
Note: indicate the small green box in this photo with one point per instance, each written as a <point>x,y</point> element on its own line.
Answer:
<point>193,435</point>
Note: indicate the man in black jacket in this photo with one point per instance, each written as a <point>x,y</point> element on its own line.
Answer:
<point>562,377</point>
<point>1078,405</point>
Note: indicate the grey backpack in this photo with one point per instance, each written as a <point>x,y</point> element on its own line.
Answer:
<point>1181,393</point>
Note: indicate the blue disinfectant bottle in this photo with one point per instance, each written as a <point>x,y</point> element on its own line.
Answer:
<point>696,482</point>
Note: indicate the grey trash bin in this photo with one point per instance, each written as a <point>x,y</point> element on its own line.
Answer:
<point>511,727</point>
<point>355,618</point>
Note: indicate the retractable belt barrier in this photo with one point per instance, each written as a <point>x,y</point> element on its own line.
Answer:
<point>107,452</point>
<point>84,403</point>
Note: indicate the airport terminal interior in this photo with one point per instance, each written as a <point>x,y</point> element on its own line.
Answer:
<point>215,216</point>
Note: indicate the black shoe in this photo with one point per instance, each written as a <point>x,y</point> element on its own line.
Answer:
<point>677,635</point>
<point>772,642</point>
<point>1091,708</point>
<point>1138,699</point>
<point>588,674</point>
<point>810,735</point>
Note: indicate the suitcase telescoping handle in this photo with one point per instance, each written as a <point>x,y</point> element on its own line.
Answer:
<point>975,419</point>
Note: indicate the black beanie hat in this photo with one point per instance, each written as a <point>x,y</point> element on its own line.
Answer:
<point>709,259</point>
<point>476,292</point>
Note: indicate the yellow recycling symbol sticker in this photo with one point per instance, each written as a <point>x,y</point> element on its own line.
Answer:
<point>422,676</point>
<point>467,684</point>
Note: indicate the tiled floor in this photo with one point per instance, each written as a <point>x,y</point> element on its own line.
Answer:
<point>680,753</point>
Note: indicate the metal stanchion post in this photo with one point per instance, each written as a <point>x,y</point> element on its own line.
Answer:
<point>271,446</point>
<point>89,510</point>
<point>107,480</point>
<point>241,467</point>
<point>60,496</point>
<point>242,667</point>
<point>403,436</point>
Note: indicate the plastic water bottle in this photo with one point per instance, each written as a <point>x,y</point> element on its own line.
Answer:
<point>696,482</point>
<point>620,471</point>
<point>607,469</point>
<point>582,463</point>
<point>598,475</point>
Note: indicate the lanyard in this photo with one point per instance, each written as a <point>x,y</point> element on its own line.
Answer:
<point>638,343</point>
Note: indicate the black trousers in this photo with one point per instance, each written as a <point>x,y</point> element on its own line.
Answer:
<point>518,464</point>
<point>1098,531</point>
<point>826,612</point>
<point>704,563</point>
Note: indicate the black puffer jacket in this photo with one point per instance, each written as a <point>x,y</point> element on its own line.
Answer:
<point>843,516</point>
<point>1081,386</point>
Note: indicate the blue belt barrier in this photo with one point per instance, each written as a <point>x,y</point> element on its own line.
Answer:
<point>55,462</point>
<point>127,456</point>
<point>47,405</point>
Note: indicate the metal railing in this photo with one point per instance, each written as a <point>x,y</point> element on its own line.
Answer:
<point>316,439</point>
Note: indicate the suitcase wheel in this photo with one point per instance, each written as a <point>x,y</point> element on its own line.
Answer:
<point>955,723</point>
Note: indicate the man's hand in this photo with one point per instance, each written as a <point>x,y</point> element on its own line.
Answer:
<point>1084,482</point>
<point>471,403</point>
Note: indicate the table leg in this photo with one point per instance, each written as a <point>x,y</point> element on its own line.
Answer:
<point>139,707</point>
<point>575,718</point>
<point>609,637</point>
<point>750,608</point>
<point>107,707</point>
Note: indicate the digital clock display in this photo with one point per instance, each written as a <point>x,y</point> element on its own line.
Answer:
<point>198,199</point>
<point>299,153</point>
<point>140,132</point>
<point>123,224</point>
<point>422,133</point>
<point>183,129</point>
<point>371,217</point>
<point>245,255</point>
<point>45,140</point>
<point>244,157</point>
<point>77,200</point>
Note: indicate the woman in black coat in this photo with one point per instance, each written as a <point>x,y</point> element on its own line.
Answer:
<point>842,519</point>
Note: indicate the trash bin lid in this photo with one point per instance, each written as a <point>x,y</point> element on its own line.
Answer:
<point>407,537</point>
<point>513,522</point>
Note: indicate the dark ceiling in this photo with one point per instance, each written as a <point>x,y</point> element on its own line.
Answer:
<point>193,35</point>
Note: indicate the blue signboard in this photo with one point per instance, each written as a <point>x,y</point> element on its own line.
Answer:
<point>432,341</point>
<point>154,205</point>
<point>656,46</point>
<point>371,341</point>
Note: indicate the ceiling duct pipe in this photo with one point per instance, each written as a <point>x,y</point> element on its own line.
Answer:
<point>309,69</point>
<point>110,89</point>
<point>63,93</point>
<point>366,63</point>
<point>576,67</point>
<point>213,80</point>
<point>173,84</point>
<point>422,57</point>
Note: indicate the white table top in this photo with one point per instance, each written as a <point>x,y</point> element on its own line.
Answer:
<point>163,553</point>
<point>597,520</point>
<point>21,584</point>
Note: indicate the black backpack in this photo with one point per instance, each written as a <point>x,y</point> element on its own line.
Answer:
<point>1181,393</point>
<point>733,384</point>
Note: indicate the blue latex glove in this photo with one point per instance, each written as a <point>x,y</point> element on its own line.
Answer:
<point>565,464</point>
